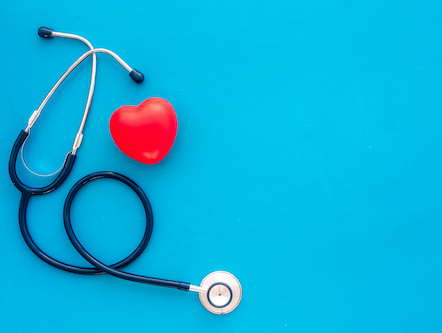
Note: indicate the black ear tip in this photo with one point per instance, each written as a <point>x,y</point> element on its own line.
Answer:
<point>137,76</point>
<point>45,32</point>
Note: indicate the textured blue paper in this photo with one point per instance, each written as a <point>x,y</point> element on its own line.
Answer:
<point>307,163</point>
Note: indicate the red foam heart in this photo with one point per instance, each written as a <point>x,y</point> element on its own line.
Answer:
<point>145,132</point>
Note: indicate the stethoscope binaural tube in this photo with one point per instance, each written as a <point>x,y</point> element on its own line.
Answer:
<point>50,33</point>
<point>137,76</point>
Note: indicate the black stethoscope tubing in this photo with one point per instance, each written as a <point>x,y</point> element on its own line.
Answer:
<point>100,268</point>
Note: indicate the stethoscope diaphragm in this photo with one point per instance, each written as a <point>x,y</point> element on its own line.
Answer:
<point>223,294</point>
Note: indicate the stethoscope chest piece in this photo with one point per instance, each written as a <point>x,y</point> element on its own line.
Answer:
<point>223,294</point>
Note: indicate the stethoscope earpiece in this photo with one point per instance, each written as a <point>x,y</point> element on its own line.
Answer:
<point>137,76</point>
<point>45,32</point>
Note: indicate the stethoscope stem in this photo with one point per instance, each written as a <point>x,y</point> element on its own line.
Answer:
<point>197,289</point>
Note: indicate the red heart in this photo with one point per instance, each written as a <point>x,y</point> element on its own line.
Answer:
<point>145,132</point>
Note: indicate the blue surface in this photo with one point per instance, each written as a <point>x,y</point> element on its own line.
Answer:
<point>307,163</point>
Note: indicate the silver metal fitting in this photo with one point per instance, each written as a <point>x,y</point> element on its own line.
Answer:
<point>77,142</point>
<point>32,120</point>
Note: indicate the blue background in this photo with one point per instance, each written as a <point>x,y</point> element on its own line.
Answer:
<point>307,163</point>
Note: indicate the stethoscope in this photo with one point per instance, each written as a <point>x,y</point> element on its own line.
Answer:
<point>219,292</point>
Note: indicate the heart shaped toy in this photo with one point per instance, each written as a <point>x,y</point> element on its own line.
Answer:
<point>145,132</point>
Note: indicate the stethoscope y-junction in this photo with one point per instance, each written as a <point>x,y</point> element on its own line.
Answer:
<point>220,292</point>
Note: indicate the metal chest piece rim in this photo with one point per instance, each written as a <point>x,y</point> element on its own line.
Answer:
<point>223,294</point>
